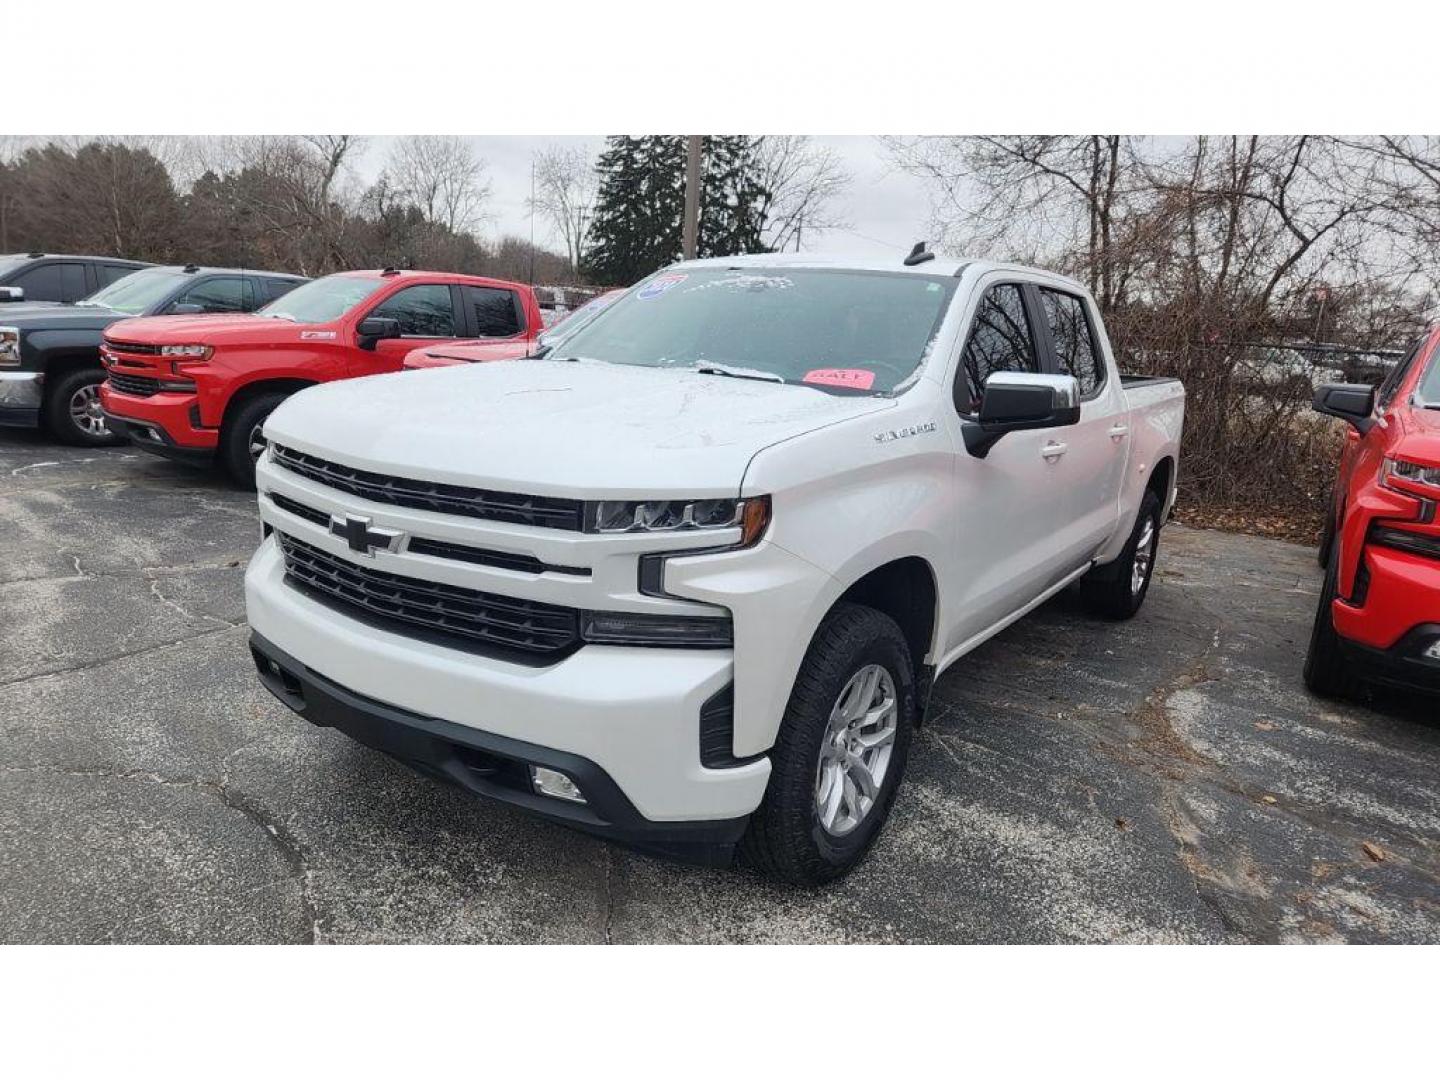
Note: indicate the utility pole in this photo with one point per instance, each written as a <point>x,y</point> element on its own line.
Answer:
<point>691,232</point>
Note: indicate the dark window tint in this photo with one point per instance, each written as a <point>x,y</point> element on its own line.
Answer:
<point>1000,339</point>
<point>277,287</point>
<point>72,282</point>
<point>494,311</point>
<point>217,295</point>
<point>42,282</point>
<point>1074,344</point>
<point>107,275</point>
<point>1386,394</point>
<point>421,310</point>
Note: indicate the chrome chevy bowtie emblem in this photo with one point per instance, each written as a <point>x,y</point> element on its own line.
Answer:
<point>363,538</point>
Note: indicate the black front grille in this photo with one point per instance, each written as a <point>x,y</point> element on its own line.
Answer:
<point>133,347</point>
<point>549,513</point>
<point>466,618</point>
<point>136,385</point>
<point>443,549</point>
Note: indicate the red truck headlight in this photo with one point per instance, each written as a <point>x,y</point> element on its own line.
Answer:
<point>1408,472</point>
<point>192,353</point>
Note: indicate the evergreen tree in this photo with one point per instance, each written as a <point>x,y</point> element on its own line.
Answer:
<point>639,213</point>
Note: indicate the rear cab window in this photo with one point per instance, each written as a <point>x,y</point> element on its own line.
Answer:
<point>493,312</point>
<point>1077,350</point>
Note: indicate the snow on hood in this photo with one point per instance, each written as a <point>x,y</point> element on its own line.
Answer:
<point>556,428</point>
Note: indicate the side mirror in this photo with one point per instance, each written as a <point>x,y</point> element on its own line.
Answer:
<point>1021,401</point>
<point>11,292</point>
<point>375,329</point>
<point>186,309</point>
<point>1352,402</point>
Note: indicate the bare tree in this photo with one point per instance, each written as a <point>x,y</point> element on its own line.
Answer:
<point>566,185</point>
<point>801,180</point>
<point>443,177</point>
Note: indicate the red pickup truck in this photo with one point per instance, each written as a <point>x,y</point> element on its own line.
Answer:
<point>1379,612</point>
<point>199,388</point>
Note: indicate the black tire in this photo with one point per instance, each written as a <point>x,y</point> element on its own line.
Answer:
<point>235,438</point>
<point>62,409</point>
<point>785,838</point>
<point>1327,534</point>
<point>1328,671</point>
<point>1110,590</point>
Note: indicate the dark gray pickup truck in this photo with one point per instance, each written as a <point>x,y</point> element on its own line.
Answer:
<point>50,371</point>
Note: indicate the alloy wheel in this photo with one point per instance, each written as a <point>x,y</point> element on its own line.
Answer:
<point>85,411</point>
<point>855,753</point>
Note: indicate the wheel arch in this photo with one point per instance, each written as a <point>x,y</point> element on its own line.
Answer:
<point>907,590</point>
<point>1162,482</point>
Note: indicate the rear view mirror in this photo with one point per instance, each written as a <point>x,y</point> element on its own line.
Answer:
<point>376,328</point>
<point>1021,401</point>
<point>11,292</point>
<point>1352,402</point>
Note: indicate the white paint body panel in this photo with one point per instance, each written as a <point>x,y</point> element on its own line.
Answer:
<point>1000,535</point>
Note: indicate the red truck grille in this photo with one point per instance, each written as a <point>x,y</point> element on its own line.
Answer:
<point>136,385</point>
<point>461,617</point>
<point>133,347</point>
<point>548,513</point>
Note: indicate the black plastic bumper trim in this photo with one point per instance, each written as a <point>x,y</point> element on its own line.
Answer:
<point>134,430</point>
<point>491,766</point>
<point>1404,663</point>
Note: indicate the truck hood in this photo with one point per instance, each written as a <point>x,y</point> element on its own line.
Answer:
<point>1419,434</point>
<point>217,330</point>
<point>41,315</point>
<point>548,427</point>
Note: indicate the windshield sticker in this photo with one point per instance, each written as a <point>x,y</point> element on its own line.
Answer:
<point>853,378</point>
<point>317,335</point>
<point>660,286</point>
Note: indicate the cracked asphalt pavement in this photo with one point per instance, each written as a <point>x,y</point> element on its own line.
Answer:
<point>1166,779</point>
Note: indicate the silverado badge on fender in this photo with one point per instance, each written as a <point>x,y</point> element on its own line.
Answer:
<point>904,432</point>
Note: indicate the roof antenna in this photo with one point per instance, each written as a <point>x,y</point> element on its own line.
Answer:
<point>918,255</point>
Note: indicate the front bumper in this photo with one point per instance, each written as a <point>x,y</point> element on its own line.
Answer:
<point>492,766</point>
<point>21,394</point>
<point>631,713</point>
<point>1405,664</point>
<point>165,424</point>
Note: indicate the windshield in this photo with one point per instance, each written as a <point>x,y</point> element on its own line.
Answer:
<point>1429,390</point>
<point>862,331</point>
<point>135,294</point>
<point>322,300</point>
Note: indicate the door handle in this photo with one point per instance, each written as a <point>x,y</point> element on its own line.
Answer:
<point>1053,450</point>
<point>1119,431</point>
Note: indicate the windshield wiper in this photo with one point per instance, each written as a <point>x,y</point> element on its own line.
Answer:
<point>738,373</point>
<point>277,315</point>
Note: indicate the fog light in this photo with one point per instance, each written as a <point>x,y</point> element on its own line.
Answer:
<point>555,784</point>
<point>1433,653</point>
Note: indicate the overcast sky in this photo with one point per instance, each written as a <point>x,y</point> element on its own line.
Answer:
<point>886,209</point>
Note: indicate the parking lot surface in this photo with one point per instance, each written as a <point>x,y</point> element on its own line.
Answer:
<point>1165,779</point>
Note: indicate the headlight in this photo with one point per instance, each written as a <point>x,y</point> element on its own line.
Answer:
<point>1422,475</point>
<point>9,346</point>
<point>188,352</point>
<point>674,515</point>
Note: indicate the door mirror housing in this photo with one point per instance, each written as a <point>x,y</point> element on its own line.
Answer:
<point>11,292</point>
<point>1021,401</point>
<point>376,329</point>
<point>186,309</point>
<point>1352,402</point>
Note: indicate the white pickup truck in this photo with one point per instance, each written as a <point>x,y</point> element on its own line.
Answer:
<point>686,582</point>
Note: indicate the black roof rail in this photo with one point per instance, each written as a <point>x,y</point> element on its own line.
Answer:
<point>918,255</point>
